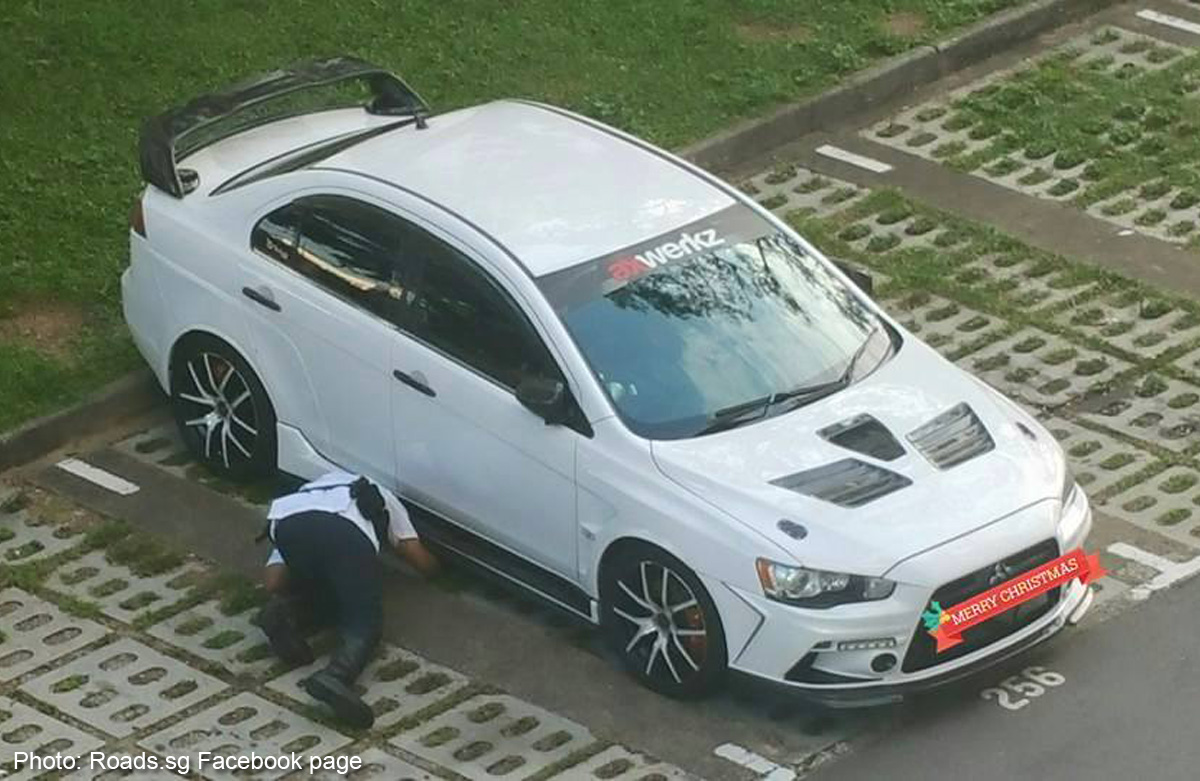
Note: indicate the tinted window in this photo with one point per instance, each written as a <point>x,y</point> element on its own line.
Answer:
<point>462,313</point>
<point>347,247</point>
<point>275,235</point>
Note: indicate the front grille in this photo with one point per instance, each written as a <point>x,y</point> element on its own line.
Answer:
<point>922,651</point>
<point>955,436</point>
<point>848,483</point>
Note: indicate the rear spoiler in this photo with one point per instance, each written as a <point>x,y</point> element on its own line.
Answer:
<point>161,136</point>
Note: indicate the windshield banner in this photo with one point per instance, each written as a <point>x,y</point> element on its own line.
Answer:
<point>947,625</point>
<point>601,276</point>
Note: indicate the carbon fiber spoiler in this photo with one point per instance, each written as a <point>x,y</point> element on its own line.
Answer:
<point>162,136</point>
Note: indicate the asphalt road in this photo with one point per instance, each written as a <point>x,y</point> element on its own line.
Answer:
<point>1128,709</point>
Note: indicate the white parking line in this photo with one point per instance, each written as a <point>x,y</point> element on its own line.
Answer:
<point>764,767</point>
<point>1169,21</point>
<point>95,474</point>
<point>869,163</point>
<point>1170,572</point>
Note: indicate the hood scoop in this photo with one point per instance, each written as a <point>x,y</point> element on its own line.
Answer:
<point>847,483</point>
<point>863,434</point>
<point>954,437</point>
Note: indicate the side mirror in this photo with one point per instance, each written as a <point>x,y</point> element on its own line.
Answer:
<point>545,398</point>
<point>862,279</point>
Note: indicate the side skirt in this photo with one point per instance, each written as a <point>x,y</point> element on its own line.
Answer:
<point>546,585</point>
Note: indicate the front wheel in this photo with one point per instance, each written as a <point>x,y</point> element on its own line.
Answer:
<point>222,409</point>
<point>660,619</point>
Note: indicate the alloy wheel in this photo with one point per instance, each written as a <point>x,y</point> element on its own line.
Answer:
<point>221,412</point>
<point>663,627</point>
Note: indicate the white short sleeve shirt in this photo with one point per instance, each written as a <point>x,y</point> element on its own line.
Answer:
<point>331,493</point>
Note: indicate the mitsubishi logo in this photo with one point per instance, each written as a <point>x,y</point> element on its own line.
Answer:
<point>1000,573</point>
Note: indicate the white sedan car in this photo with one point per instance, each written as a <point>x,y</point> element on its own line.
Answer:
<point>595,370</point>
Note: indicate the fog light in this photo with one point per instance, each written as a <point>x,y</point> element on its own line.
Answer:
<point>867,645</point>
<point>883,663</point>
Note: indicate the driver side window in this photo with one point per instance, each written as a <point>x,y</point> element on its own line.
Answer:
<point>459,310</point>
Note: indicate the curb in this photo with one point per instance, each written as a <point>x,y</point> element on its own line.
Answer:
<point>895,77</point>
<point>131,395</point>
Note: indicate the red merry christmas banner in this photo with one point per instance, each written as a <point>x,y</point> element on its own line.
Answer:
<point>1007,595</point>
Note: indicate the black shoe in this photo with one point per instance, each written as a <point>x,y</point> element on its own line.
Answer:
<point>277,619</point>
<point>343,699</point>
<point>334,685</point>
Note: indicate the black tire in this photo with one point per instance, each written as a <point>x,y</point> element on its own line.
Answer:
<point>222,410</point>
<point>681,652</point>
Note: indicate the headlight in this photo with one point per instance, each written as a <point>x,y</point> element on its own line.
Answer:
<point>816,588</point>
<point>1069,485</point>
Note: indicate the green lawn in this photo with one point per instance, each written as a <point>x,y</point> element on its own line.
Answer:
<point>76,79</point>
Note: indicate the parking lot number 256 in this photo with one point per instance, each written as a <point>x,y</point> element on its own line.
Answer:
<point>1015,691</point>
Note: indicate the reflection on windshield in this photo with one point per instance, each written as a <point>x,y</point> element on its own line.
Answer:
<point>752,317</point>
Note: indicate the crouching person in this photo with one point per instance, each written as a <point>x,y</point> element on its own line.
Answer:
<point>325,571</point>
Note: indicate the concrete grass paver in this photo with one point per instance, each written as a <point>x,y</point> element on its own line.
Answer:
<point>122,594</point>
<point>26,729</point>
<point>1100,461</point>
<point>1163,411</point>
<point>396,684</point>
<point>37,632</point>
<point>619,764</point>
<point>242,725</point>
<point>492,736</point>
<point>377,765</point>
<point>123,687</point>
<point>232,642</point>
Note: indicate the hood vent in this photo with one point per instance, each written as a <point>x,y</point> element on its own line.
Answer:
<point>848,483</point>
<point>955,436</point>
<point>863,434</point>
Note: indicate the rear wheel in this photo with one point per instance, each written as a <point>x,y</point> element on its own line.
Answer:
<point>222,409</point>
<point>660,619</point>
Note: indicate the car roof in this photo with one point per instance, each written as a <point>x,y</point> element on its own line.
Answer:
<point>553,189</point>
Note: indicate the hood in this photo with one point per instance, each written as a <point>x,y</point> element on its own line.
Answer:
<point>867,500</point>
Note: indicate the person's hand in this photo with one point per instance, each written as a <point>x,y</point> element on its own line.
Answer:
<point>417,555</point>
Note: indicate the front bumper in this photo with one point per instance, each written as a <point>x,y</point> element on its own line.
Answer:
<point>785,636</point>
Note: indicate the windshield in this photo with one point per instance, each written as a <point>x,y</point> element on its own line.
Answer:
<point>702,322</point>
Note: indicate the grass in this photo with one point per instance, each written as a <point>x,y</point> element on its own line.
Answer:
<point>76,81</point>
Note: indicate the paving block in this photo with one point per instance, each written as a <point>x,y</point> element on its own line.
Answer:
<point>1041,368</point>
<point>1159,410</point>
<point>619,764</point>
<point>396,684</point>
<point>791,188</point>
<point>937,131</point>
<point>1131,322</point>
<point>119,592</point>
<point>36,632</point>
<point>24,538</point>
<point>1189,364</point>
<point>1168,503</point>
<point>123,687</point>
<point>25,729</point>
<point>948,327</point>
<point>1098,460</point>
<point>240,726</point>
<point>85,773</point>
<point>1028,282</point>
<point>495,736</point>
<point>376,766</point>
<point>230,641</point>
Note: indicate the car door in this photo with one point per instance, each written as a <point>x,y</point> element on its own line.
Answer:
<point>327,282</point>
<point>464,445</point>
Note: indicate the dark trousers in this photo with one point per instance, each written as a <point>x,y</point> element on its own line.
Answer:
<point>334,568</point>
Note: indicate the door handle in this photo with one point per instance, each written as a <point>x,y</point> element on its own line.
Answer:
<point>414,381</point>
<point>260,298</point>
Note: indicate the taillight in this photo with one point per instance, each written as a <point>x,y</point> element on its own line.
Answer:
<point>137,219</point>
